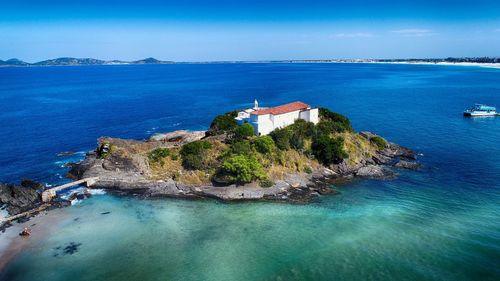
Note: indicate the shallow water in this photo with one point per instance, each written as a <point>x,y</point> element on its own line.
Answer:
<point>437,224</point>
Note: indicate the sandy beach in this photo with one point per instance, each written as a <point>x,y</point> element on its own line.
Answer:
<point>11,244</point>
<point>488,65</point>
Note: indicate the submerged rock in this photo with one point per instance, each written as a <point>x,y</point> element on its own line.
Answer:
<point>402,164</point>
<point>60,203</point>
<point>79,195</point>
<point>66,153</point>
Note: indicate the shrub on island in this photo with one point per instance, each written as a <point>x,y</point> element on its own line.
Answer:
<point>342,122</point>
<point>380,142</point>
<point>244,131</point>
<point>299,131</point>
<point>264,144</point>
<point>328,150</point>
<point>156,155</point>
<point>241,169</point>
<point>325,148</point>
<point>243,147</point>
<point>303,127</point>
<point>223,123</point>
<point>193,154</point>
<point>328,127</point>
<point>266,183</point>
<point>281,138</point>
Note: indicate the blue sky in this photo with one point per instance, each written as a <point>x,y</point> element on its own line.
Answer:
<point>191,30</point>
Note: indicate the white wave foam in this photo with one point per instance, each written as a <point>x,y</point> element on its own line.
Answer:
<point>3,213</point>
<point>97,191</point>
<point>74,202</point>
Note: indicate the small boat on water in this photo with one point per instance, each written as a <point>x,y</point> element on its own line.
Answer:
<point>481,110</point>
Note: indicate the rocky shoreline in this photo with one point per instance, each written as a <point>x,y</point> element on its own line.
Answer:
<point>17,199</point>
<point>129,175</point>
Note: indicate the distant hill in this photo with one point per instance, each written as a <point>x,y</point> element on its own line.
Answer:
<point>147,61</point>
<point>13,62</point>
<point>68,61</point>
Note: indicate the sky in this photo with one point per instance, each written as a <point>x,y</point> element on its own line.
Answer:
<point>205,30</point>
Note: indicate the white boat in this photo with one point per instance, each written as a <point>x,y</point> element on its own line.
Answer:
<point>481,110</point>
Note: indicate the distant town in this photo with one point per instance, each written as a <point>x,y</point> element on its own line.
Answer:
<point>69,61</point>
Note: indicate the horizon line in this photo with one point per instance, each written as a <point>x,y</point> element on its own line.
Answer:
<point>118,61</point>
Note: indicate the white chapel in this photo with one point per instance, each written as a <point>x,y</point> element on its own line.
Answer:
<point>265,120</point>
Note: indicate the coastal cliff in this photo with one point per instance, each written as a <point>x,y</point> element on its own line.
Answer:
<point>18,199</point>
<point>227,164</point>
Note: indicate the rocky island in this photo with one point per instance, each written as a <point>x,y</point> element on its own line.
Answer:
<point>296,163</point>
<point>230,162</point>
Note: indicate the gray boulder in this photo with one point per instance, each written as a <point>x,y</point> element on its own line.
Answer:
<point>373,171</point>
<point>408,165</point>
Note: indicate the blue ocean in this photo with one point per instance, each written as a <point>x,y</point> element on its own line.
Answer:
<point>440,223</point>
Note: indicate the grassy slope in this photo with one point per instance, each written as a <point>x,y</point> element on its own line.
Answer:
<point>357,147</point>
<point>276,164</point>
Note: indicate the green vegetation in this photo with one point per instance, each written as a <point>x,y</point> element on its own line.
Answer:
<point>341,122</point>
<point>241,157</point>
<point>380,142</point>
<point>306,129</point>
<point>264,144</point>
<point>281,138</point>
<point>299,132</point>
<point>308,170</point>
<point>242,169</point>
<point>325,148</point>
<point>328,150</point>
<point>223,124</point>
<point>266,183</point>
<point>157,155</point>
<point>330,127</point>
<point>194,153</point>
<point>243,147</point>
<point>244,131</point>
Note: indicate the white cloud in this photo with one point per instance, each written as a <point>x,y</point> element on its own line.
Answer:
<point>354,35</point>
<point>414,32</point>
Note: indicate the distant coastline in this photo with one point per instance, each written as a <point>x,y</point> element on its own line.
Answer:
<point>444,63</point>
<point>69,61</point>
<point>493,62</point>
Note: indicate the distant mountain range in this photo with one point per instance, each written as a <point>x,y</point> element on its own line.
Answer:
<point>78,61</point>
<point>90,61</point>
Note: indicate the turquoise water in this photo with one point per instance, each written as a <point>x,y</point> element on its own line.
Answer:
<point>437,224</point>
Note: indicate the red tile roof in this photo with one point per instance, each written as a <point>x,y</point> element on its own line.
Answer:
<point>289,107</point>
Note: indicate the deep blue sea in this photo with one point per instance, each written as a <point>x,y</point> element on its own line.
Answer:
<point>441,223</point>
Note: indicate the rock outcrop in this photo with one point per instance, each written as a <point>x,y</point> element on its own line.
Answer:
<point>408,165</point>
<point>18,199</point>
